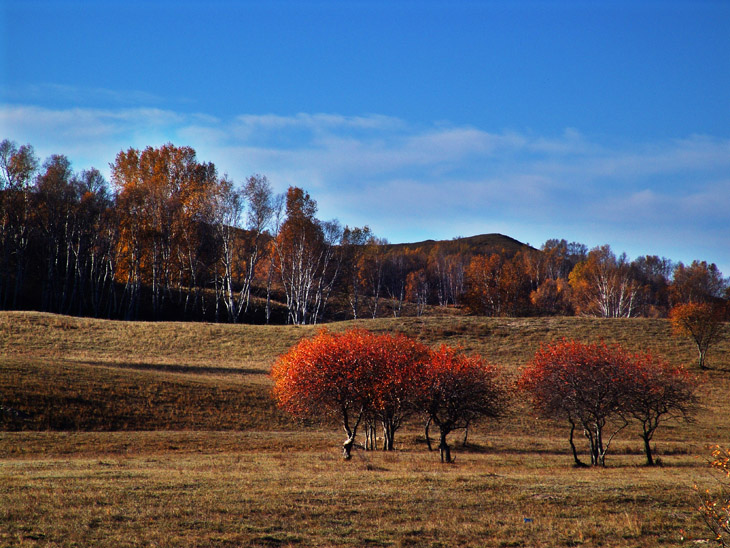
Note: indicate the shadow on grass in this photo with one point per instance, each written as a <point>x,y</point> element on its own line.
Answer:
<point>186,369</point>
<point>480,449</point>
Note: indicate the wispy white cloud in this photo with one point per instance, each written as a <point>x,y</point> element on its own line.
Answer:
<point>404,179</point>
<point>390,149</point>
<point>82,124</point>
<point>636,160</point>
<point>91,136</point>
<point>317,122</point>
<point>60,93</point>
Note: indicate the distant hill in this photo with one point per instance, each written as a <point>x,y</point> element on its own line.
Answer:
<point>483,244</point>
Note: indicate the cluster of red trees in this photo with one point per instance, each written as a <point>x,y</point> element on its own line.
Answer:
<point>363,378</point>
<point>171,239</point>
<point>595,386</point>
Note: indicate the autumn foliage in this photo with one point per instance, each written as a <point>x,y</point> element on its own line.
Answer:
<point>605,286</point>
<point>170,239</point>
<point>657,392</point>
<point>164,198</point>
<point>354,376</point>
<point>715,507</point>
<point>361,377</point>
<point>599,388</point>
<point>701,322</point>
<point>455,390</point>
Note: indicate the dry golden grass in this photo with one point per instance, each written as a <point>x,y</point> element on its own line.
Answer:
<point>293,489</point>
<point>218,465</point>
<point>508,341</point>
<point>213,348</point>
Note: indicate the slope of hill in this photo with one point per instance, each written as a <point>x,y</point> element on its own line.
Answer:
<point>67,373</point>
<point>166,434</point>
<point>483,244</point>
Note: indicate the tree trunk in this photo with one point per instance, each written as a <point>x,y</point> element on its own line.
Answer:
<point>444,449</point>
<point>388,436</point>
<point>701,359</point>
<point>593,443</point>
<point>578,462</point>
<point>428,437</point>
<point>347,447</point>
<point>600,451</point>
<point>647,449</point>
<point>350,431</point>
<point>370,436</point>
<point>389,428</point>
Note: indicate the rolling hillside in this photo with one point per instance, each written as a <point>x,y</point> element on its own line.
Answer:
<point>134,433</point>
<point>67,373</point>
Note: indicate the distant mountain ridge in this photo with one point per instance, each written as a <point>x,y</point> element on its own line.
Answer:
<point>482,244</point>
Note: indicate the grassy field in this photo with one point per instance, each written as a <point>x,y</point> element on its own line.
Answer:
<point>141,434</point>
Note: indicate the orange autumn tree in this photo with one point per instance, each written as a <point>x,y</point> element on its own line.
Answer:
<point>699,282</point>
<point>165,212</point>
<point>353,376</point>
<point>483,281</point>
<point>702,322</point>
<point>308,257</point>
<point>496,286</point>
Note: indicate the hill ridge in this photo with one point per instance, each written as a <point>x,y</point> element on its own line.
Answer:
<point>486,243</point>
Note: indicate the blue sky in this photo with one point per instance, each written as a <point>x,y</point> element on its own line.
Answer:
<point>599,122</point>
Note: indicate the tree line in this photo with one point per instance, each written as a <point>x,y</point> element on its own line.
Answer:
<point>170,238</point>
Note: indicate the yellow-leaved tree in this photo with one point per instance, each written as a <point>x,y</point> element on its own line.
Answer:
<point>702,322</point>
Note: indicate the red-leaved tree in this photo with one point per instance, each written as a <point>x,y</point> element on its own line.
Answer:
<point>399,362</point>
<point>658,392</point>
<point>455,390</point>
<point>361,377</point>
<point>584,384</point>
<point>354,376</point>
<point>594,386</point>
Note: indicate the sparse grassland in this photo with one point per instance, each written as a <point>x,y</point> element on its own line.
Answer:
<point>165,435</point>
